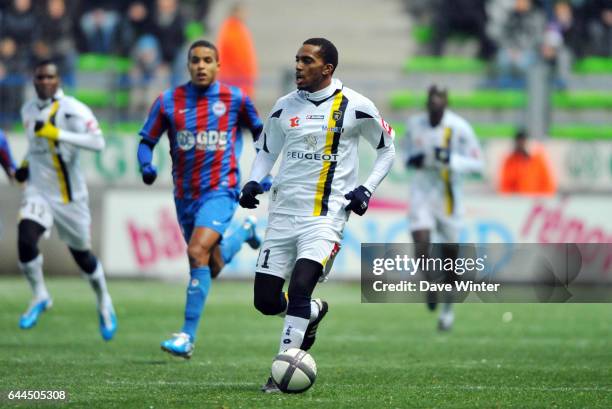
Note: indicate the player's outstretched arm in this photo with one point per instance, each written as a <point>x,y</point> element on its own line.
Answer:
<point>467,156</point>
<point>86,135</point>
<point>145,158</point>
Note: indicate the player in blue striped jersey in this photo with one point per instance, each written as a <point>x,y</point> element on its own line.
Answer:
<point>203,120</point>
<point>6,158</point>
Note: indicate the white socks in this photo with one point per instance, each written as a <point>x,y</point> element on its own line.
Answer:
<point>34,274</point>
<point>295,328</point>
<point>98,283</point>
<point>293,332</point>
<point>314,310</point>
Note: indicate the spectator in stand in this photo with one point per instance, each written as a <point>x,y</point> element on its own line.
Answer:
<point>98,22</point>
<point>237,52</point>
<point>600,28</point>
<point>18,23</point>
<point>526,171</point>
<point>146,58</point>
<point>462,16</point>
<point>169,28</point>
<point>12,82</point>
<point>521,35</point>
<point>54,40</point>
<point>559,34</point>
<point>135,23</point>
<point>136,41</point>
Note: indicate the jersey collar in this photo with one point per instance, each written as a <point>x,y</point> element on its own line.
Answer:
<point>43,103</point>
<point>322,94</point>
<point>211,89</point>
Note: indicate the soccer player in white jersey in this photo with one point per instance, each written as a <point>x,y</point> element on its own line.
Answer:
<point>57,128</point>
<point>317,129</point>
<point>441,147</point>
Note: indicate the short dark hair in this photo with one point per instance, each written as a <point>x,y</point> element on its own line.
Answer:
<point>203,43</point>
<point>437,89</point>
<point>327,50</point>
<point>42,63</point>
<point>521,133</point>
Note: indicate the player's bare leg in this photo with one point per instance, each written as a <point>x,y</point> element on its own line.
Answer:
<point>224,252</point>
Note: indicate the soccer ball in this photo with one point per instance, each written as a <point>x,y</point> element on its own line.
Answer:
<point>294,371</point>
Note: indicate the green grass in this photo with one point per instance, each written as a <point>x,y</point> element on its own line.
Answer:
<point>554,356</point>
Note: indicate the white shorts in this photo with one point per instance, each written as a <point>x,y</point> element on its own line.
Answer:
<point>73,220</point>
<point>444,228</point>
<point>290,238</point>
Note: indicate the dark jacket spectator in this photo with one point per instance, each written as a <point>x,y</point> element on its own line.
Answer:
<point>12,82</point>
<point>135,23</point>
<point>462,16</point>
<point>97,22</point>
<point>169,28</point>
<point>600,27</point>
<point>520,38</point>
<point>19,23</point>
<point>54,39</point>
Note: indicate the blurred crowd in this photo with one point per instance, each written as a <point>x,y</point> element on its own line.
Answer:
<point>151,33</point>
<point>515,34</point>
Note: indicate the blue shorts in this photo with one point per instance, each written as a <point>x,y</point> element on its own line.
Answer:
<point>214,210</point>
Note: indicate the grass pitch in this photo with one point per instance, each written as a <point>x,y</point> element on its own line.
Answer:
<point>368,356</point>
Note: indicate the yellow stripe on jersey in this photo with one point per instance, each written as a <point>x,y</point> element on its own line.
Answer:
<point>58,164</point>
<point>62,178</point>
<point>329,140</point>
<point>445,173</point>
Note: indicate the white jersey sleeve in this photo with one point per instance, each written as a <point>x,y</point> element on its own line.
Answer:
<point>81,127</point>
<point>380,135</point>
<point>466,154</point>
<point>269,145</point>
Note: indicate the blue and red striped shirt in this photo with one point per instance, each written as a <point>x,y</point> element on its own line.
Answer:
<point>204,129</point>
<point>6,159</point>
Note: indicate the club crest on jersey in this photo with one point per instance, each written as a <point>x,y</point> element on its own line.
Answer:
<point>294,122</point>
<point>219,108</point>
<point>311,142</point>
<point>185,140</point>
<point>337,115</point>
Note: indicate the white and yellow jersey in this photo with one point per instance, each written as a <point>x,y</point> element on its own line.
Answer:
<point>437,185</point>
<point>54,165</point>
<point>318,138</point>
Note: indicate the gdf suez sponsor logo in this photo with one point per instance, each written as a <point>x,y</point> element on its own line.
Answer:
<point>212,140</point>
<point>326,157</point>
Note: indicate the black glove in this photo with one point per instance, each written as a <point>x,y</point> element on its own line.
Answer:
<point>360,197</point>
<point>22,174</point>
<point>442,155</point>
<point>247,195</point>
<point>416,161</point>
<point>149,173</point>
